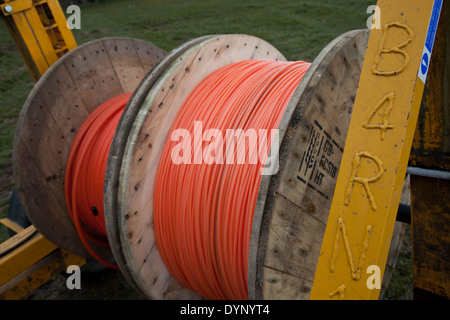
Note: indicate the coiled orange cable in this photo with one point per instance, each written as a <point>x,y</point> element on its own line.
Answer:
<point>203,212</point>
<point>85,173</point>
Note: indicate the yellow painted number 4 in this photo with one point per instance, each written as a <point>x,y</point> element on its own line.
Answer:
<point>388,102</point>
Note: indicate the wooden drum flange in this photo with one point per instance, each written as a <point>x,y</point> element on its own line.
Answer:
<point>51,116</point>
<point>293,205</point>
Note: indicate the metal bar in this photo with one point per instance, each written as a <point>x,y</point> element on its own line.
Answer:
<point>430,173</point>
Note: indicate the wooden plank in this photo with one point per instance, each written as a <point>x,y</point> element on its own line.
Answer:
<point>397,240</point>
<point>23,49</point>
<point>60,20</point>
<point>430,219</point>
<point>37,46</point>
<point>32,278</point>
<point>17,6</point>
<point>11,225</point>
<point>40,34</point>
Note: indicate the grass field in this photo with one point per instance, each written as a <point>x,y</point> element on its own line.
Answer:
<point>299,29</point>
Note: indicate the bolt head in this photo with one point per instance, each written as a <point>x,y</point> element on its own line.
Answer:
<point>8,8</point>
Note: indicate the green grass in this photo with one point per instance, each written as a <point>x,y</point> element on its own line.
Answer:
<point>298,29</point>
<point>400,287</point>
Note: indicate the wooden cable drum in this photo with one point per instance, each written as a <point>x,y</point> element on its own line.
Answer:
<point>51,117</point>
<point>292,207</point>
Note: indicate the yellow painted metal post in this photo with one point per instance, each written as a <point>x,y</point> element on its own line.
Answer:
<point>41,38</point>
<point>373,167</point>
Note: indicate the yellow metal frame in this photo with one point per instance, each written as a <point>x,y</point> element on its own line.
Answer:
<point>35,261</point>
<point>42,38</point>
<point>375,158</point>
